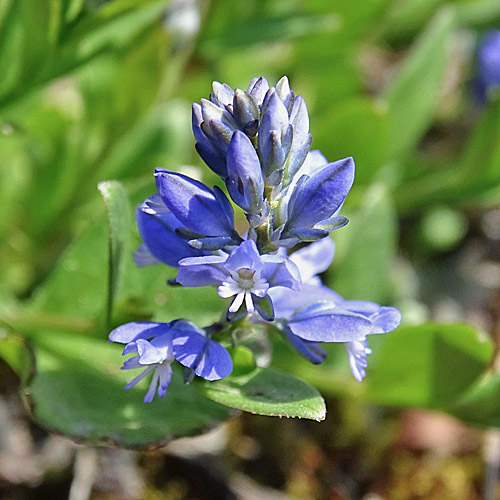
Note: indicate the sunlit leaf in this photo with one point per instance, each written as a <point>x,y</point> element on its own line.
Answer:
<point>268,392</point>
<point>413,94</point>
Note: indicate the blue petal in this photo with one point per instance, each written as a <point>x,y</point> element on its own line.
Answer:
<point>211,243</point>
<point>209,154</point>
<point>223,92</point>
<point>150,354</point>
<point>358,352</point>
<point>218,124</point>
<point>264,306</point>
<point>245,181</point>
<point>194,204</point>
<point>332,324</point>
<point>363,307</point>
<point>386,320</point>
<point>206,357</point>
<point>224,202</point>
<point>157,227</point>
<point>245,110</point>
<point>311,350</point>
<point>130,332</point>
<point>301,139</point>
<point>287,301</point>
<point>314,259</point>
<point>285,93</point>
<point>280,271</point>
<point>317,198</point>
<point>165,373</point>
<point>143,257</point>
<point>334,222</point>
<point>202,271</point>
<point>258,89</point>
<point>275,133</point>
<point>314,163</point>
<point>311,234</point>
<point>245,255</point>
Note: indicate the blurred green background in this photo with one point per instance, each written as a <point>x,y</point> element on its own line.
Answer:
<point>93,90</point>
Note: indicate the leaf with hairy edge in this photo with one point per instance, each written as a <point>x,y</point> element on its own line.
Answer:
<point>268,392</point>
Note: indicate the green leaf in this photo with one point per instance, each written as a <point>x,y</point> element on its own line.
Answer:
<point>333,377</point>
<point>75,293</point>
<point>477,175</point>
<point>31,57</point>
<point>77,390</point>
<point>114,26</point>
<point>429,366</point>
<point>478,12</point>
<point>268,392</point>
<point>405,19</point>
<point>481,405</point>
<point>77,286</point>
<point>261,29</point>
<point>120,223</point>
<point>26,42</point>
<point>356,128</point>
<point>472,178</point>
<point>366,248</point>
<point>413,94</point>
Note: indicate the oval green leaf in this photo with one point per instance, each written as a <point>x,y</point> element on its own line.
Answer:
<point>77,391</point>
<point>268,392</point>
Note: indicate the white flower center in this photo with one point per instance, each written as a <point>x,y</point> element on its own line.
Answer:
<point>246,278</point>
<point>243,284</point>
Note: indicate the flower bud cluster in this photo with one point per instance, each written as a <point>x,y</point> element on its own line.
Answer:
<point>257,140</point>
<point>272,119</point>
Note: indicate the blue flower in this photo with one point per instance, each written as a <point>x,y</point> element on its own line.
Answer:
<point>357,351</point>
<point>245,180</point>
<point>205,214</point>
<point>157,226</point>
<point>157,345</point>
<point>275,133</point>
<point>316,314</point>
<point>315,200</point>
<point>243,274</point>
<point>488,61</point>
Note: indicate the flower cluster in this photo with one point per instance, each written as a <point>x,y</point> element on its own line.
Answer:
<point>258,142</point>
